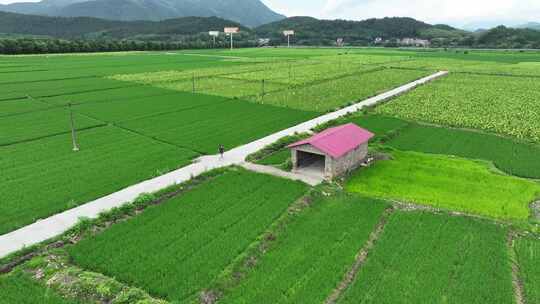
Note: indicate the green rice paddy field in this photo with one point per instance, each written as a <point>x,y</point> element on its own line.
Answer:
<point>19,287</point>
<point>468,143</point>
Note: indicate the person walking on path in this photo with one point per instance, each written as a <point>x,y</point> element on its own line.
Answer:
<point>221,151</point>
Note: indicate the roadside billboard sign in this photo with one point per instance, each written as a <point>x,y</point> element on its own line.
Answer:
<point>231,30</point>
<point>288,33</point>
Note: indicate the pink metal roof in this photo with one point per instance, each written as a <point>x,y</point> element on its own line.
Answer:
<point>337,141</point>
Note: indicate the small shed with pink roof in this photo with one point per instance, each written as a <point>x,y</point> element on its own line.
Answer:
<point>332,152</point>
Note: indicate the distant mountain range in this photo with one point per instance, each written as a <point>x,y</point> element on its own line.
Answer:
<point>323,32</point>
<point>193,31</point>
<point>530,25</point>
<point>250,13</point>
<point>90,28</point>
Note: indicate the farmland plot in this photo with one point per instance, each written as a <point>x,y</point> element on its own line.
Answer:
<point>19,106</point>
<point>306,84</point>
<point>528,255</point>
<point>145,107</point>
<point>312,254</point>
<point>511,156</point>
<point>379,125</point>
<point>508,154</point>
<point>58,67</point>
<point>448,183</point>
<point>340,92</point>
<point>38,124</point>
<point>505,105</point>
<point>174,76</point>
<point>296,75</point>
<point>231,123</point>
<point>59,87</point>
<point>470,66</point>
<point>177,249</point>
<point>220,86</point>
<point>107,95</point>
<point>427,258</point>
<point>19,288</point>
<point>44,177</point>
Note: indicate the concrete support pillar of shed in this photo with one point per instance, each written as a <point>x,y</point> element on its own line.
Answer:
<point>294,159</point>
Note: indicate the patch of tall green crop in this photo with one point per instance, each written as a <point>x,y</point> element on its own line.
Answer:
<point>312,254</point>
<point>39,124</point>
<point>428,258</point>
<point>230,123</point>
<point>177,249</point>
<point>528,256</point>
<point>44,177</point>
<point>18,287</point>
<point>446,182</point>
<point>500,104</point>
<point>509,155</point>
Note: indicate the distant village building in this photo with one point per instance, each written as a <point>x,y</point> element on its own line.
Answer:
<point>378,40</point>
<point>414,42</point>
<point>332,152</point>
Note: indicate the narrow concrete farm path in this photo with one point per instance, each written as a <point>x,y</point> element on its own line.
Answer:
<point>57,224</point>
<point>310,180</point>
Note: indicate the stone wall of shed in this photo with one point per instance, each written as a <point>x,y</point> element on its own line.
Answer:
<point>348,162</point>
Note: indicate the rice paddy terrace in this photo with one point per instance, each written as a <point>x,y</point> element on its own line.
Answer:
<point>446,214</point>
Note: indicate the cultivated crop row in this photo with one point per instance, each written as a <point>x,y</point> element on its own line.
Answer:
<point>506,105</point>
<point>426,258</point>
<point>40,124</point>
<point>509,155</point>
<point>230,123</point>
<point>175,250</point>
<point>313,253</point>
<point>44,177</point>
<point>448,183</point>
<point>528,255</point>
<point>20,288</point>
<point>335,93</point>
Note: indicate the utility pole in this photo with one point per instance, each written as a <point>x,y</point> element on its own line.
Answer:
<point>73,133</point>
<point>232,46</point>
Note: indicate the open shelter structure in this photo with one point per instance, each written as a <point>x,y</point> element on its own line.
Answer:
<point>332,152</point>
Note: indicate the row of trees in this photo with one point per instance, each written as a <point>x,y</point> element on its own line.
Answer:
<point>500,37</point>
<point>14,46</point>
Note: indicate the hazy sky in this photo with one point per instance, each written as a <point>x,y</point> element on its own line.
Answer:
<point>456,12</point>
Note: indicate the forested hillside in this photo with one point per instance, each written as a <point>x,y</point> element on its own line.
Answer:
<point>247,12</point>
